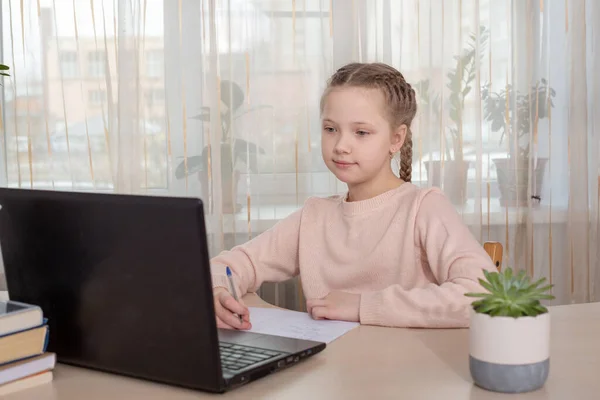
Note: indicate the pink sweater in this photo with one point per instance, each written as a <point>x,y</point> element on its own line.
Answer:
<point>406,251</point>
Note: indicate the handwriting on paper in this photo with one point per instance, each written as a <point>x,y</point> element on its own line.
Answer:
<point>297,325</point>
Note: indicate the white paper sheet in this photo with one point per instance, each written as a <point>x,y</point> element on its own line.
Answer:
<point>296,325</point>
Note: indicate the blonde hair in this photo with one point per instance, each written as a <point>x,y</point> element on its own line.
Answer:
<point>399,95</point>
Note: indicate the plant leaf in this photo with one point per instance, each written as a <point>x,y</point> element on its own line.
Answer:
<point>477,294</point>
<point>538,282</point>
<point>485,308</point>
<point>486,285</point>
<point>494,279</point>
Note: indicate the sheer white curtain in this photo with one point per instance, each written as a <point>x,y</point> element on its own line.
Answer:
<point>506,127</point>
<point>219,99</point>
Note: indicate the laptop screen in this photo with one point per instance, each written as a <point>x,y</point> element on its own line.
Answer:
<point>123,280</point>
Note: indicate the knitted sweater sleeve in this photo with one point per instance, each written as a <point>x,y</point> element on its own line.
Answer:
<point>271,256</point>
<point>455,259</point>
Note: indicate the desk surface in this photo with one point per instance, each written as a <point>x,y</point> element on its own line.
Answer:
<point>373,362</point>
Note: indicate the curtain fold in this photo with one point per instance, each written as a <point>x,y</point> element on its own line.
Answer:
<point>219,100</point>
<point>594,148</point>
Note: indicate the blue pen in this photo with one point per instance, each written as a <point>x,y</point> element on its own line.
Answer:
<point>230,278</point>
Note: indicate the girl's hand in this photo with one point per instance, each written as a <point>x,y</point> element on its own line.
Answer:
<point>226,306</point>
<point>336,305</point>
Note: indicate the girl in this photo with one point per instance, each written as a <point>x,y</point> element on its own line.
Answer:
<point>385,253</point>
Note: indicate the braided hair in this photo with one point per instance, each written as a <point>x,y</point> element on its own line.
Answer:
<point>399,95</point>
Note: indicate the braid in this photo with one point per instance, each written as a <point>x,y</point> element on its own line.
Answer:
<point>409,99</point>
<point>406,158</point>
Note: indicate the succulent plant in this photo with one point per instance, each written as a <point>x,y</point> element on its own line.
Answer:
<point>511,295</point>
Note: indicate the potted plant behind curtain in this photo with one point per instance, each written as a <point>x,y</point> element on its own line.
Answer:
<point>509,333</point>
<point>4,68</point>
<point>502,109</point>
<point>232,149</point>
<point>460,83</point>
<point>429,113</point>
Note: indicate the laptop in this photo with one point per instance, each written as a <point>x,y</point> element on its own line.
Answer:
<point>125,283</point>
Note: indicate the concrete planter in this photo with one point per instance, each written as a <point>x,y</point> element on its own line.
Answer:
<point>513,181</point>
<point>454,182</point>
<point>509,355</point>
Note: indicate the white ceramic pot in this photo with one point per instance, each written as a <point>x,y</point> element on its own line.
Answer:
<point>509,355</point>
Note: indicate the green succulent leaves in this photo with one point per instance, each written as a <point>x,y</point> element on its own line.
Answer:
<point>511,295</point>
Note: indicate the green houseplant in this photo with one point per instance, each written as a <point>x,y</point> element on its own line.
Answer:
<point>502,109</point>
<point>509,335</point>
<point>460,83</point>
<point>233,149</point>
<point>4,68</point>
<point>430,109</point>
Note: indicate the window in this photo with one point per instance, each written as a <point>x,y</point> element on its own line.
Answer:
<point>96,64</point>
<point>68,64</point>
<point>280,55</point>
<point>154,97</point>
<point>154,64</point>
<point>97,97</point>
<point>59,125</point>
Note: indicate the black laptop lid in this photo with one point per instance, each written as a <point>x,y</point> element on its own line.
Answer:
<point>124,281</point>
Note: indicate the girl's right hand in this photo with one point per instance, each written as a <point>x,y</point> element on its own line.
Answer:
<point>227,311</point>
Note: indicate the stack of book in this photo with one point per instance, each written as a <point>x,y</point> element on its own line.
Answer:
<point>24,362</point>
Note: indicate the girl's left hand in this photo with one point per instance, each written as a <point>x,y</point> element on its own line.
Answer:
<point>336,305</point>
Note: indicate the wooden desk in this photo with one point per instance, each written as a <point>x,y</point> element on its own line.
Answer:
<point>376,363</point>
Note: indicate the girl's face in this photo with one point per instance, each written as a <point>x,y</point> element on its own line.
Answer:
<point>356,137</point>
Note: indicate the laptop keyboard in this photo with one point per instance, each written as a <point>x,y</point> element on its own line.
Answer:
<point>235,357</point>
